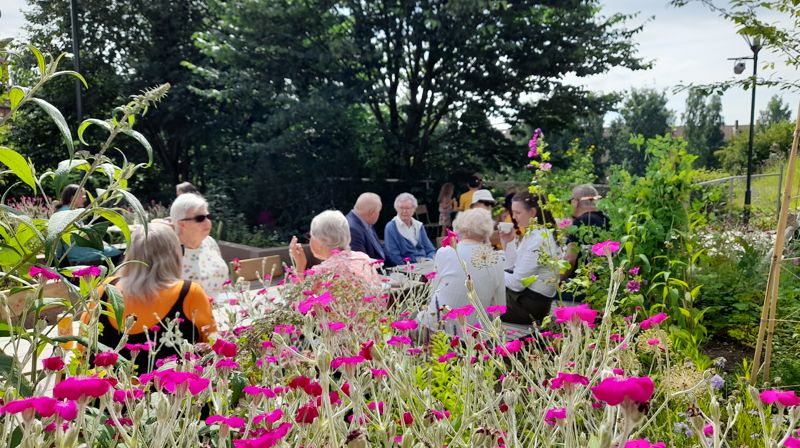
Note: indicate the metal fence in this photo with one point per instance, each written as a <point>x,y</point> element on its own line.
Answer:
<point>766,191</point>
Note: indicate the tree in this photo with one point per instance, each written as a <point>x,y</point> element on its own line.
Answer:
<point>703,128</point>
<point>777,111</point>
<point>645,113</point>
<point>776,138</point>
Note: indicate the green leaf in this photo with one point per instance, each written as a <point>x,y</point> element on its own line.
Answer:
<point>8,255</point>
<point>58,118</point>
<point>71,73</point>
<point>60,221</point>
<point>118,221</point>
<point>528,281</point>
<point>15,96</point>
<point>117,302</point>
<point>39,60</point>
<point>133,201</point>
<point>143,141</point>
<point>9,370</point>
<point>18,165</point>
<point>88,122</point>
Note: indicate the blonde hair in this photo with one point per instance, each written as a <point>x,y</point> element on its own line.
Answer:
<point>475,224</point>
<point>446,192</point>
<point>155,261</point>
<point>331,229</point>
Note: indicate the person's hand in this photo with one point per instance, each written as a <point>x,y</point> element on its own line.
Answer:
<point>506,237</point>
<point>298,255</point>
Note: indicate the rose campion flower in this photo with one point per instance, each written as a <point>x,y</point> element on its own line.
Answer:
<point>783,398</point>
<point>233,422</point>
<point>464,311</point>
<point>270,438</point>
<point>271,417</point>
<point>616,390</point>
<point>405,325</point>
<point>75,388</point>
<point>600,249</point>
<point>634,270</point>
<point>450,239</point>
<point>105,359</point>
<point>508,348</point>
<point>566,379</point>
<point>644,443</point>
<point>447,356</point>
<point>346,360</point>
<point>397,340</point>
<point>36,271</point>
<point>224,348</point>
<point>87,272</point>
<point>54,363</point>
<point>306,414</point>
<point>654,320</point>
<point>791,442</point>
<point>496,310</point>
<point>120,396</point>
<point>552,415</point>
<point>577,314</point>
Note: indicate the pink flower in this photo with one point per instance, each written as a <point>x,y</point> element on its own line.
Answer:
<point>616,337</point>
<point>546,166</point>
<point>634,270</point>
<point>284,329</point>
<point>377,373</point>
<point>140,347</point>
<point>564,223</point>
<point>35,271</point>
<point>533,144</point>
<point>75,388</point>
<point>120,396</point>
<point>405,325</point>
<point>633,286</point>
<point>397,340</point>
<point>447,356</point>
<point>509,347</point>
<point>644,443</point>
<point>335,326</point>
<point>708,430</point>
<point>105,359</point>
<point>615,390</point>
<point>791,442</point>
<point>308,304</point>
<point>600,249</point>
<point>464,311</point>
<point>53,363</point>
<point>407,418</point>
<point>406,259</point>
<point>654,341</point>
<point>226,364</point>
<point>655,320</point>
<point>269,439</point>
<point>44,406</point>
<point>255,390</point>
<point>784,398</point>
<point>306,414</point>
<point>346,360</point>
<point>87,272</point>
<point>67,410</point>
<point>270,417</point>
<point>379,406</point>
<point>439,415</point>
<point>430,276</point>
<point>224,348</point>
<point>450,239</point>
<point>171,380</point>
<point>552,415</point>
<point>496,310</point>
<point>576,314</point>
<point>567,379</point>
<point>233,422</point>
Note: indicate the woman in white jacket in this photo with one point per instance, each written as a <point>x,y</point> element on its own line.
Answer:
<point>531,273</point>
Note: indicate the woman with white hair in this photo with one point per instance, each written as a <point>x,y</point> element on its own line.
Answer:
<point>330,242</point>
<point>150,282</point>
<point>481,264</point>
<point>404,237</point>
<point>202,261</point>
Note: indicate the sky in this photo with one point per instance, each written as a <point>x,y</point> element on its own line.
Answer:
<point>686,45</point>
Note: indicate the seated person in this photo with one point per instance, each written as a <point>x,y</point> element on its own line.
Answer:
<point>483,199</point>
<point>202,261</point>
<point>589,223</point>
<point>154,292</point>
<point>330,242</point>
<point>404,236</point>
<point>484,266</point>
<point>532,269</point>
<point>73,197</point>
<point>362,219</point>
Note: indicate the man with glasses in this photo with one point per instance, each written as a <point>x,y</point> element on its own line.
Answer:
<point>588,225</point>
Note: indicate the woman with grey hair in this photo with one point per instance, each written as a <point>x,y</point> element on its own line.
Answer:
<point>404,237</point>
<point>202,261</point>
<point>330,242</point>
<point>153,292</point>
<point>481,264</point>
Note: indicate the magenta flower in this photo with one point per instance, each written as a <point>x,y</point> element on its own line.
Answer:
<point>308,304</point>
<point>708,430</point>
<point>567,379</point>
<point>600,249</point>
<point>634,270</point>
<point>67,410</point>
<point>408,418</point>
<point>306,414</point>
<point>633,286</point>
<point>430,276</point>
<point>269,439</point>
<point>533,144</point>
<point>576,314</point>
<point>120,396</point>
<point>496,310</point>
<point>405,325</point>
<point>105,359</point>
<point>784,398</point>
<point>464,311</point>
<point>87,272</point>
<point>616,390</point>
<point>271,417</point>
<point>171,381</point>
<point>255,390</point>
<point>654,341</point>
<point>36,271</point>
<point>284,329</point>
<point>546,166</point>
<point>346,360</point>
<point>376,405</point>
<point>140,347</point>
<point>224,348</point>
<point>450,239</point>
<point>44,406</point>
<point>644,443</point>
<point>397,340</point>
<point>233,422</point>
<point>75,388</point>
<point>226,364</point>
<point>447,356</point>
<point>654,320</point>
<point>53,363</point>
<point>377,373</point>
<point>552,415</point>
<point>508,348</point>
<point>791,442</point>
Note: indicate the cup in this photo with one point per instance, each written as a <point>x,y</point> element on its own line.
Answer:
<point>505,227</point>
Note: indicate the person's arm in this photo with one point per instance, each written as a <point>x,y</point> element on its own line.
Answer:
<point>197,308</point>
<point>393,252</point>
<point>510,250</point>
<point>298,254</point>
<point>358,239</point>
<point>525,265</point>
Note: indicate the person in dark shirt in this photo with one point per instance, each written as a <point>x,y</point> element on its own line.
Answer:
<point>588,224</point>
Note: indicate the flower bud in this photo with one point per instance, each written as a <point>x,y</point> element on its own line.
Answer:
<point>71,438</point>
<point>324,360</point>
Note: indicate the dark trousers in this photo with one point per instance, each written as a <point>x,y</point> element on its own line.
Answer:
<point>525,307</point>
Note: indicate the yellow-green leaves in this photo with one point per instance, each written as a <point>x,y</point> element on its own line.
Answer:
<point>18,165</point>
<point>15,96</point>
<point>59,120</point>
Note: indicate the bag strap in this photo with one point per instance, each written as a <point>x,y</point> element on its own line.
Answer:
<point>184,291</point>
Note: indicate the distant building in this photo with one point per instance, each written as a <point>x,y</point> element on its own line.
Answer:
<point>729,131</point>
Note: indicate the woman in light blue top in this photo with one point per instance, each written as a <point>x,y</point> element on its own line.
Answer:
<point>404,236</point>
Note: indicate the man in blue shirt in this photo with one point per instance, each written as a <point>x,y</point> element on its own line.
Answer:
<point>361,219</point>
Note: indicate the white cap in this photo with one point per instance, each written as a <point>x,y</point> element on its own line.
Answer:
<point>482,195</point>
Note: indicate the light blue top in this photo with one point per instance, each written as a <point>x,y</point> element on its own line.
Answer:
<point>398,247</point>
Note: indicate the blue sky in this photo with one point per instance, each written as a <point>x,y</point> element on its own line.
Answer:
<point>686,45</point>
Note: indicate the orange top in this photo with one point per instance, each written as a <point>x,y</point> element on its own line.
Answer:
<point>196,308</point>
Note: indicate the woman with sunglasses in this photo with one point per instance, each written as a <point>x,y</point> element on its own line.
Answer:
<point>202,261</point>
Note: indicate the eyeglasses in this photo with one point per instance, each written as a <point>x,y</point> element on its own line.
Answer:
<point>199,218</point>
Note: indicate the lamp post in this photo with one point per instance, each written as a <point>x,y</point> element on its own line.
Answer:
<point>73,14</point>
<point>755,47</point>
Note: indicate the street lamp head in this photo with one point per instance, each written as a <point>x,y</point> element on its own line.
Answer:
<point>739,67</point>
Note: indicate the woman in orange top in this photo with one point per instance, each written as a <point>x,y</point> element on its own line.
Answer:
<point>154,292</point>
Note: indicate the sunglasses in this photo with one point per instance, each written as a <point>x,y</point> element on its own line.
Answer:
<point>199,218</point>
